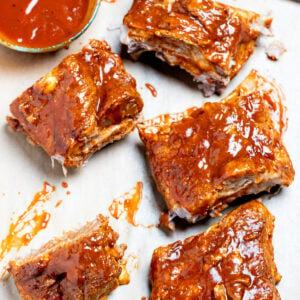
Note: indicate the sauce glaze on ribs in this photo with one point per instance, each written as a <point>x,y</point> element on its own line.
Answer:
<point>233,259</point>
<point>205,157</point>
<point>86,102</point>
<point>208,39</point>
<point>85,264</point>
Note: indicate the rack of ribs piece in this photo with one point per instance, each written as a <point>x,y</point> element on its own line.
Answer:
<point>206,157</point>
<point>86,102</point>
<point>84,264</point>
<point>208,39</point>
<point>233,259</point>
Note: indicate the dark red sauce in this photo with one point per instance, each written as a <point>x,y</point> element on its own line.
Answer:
<point>64,185</point>
<point>152,89</point>
<point>43,23</point>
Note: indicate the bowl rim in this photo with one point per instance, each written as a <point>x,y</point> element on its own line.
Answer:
<point>57,46</point>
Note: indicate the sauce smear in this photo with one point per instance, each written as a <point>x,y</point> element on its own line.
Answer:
<point>29,223</point>
<point>132,203</point>
<point>43,23</point>
<point>128,204</point>
<point>152,89</point>
<point>116,209</point>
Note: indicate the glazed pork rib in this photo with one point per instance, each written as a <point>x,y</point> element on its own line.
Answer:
<point>86,102</point>
<point>208,39</point>
<point>206,157</point>
<point>85,264</point>
<point>233,259</point>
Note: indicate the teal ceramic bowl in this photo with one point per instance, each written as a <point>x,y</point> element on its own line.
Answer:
<point>88,21</point>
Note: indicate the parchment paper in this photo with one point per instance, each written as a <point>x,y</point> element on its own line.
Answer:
<point>114,170</point>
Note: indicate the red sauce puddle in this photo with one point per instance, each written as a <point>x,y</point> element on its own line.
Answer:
<point>128,204</point>
<point>29,223</point>
<point>43,23</point>
<point>152,89</point>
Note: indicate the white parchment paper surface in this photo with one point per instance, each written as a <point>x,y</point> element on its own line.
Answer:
<point>115,170</point>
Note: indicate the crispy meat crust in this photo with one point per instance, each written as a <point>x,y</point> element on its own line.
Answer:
<point>205,157</point>
<point>233,259</point>
<point>86,102</point>
<point>81,265</point>
<point>203,37</point>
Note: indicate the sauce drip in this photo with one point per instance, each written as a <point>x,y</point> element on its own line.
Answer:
<point>152,89</point>
<point>43,23</point>
<point>29,223</point>
<point>64,185</point>
<point>128,204</point>
<point>131,204</point>
<point>58,203</point>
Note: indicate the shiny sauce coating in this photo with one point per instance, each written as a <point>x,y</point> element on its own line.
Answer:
<point>90,92</point>
<point>232,260</point>
<point>224,35</point>
<point>197,156</point>
<point>43,23</point>
<point>81,265</point>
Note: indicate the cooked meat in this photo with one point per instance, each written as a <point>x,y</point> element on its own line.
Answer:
<point>205,157</point>
<point>233,259</point>
<point>208,39</point>
<point>86,102</point>
<point>85,264</point>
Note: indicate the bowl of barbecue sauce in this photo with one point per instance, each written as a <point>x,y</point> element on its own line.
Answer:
<point>38,26</point>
